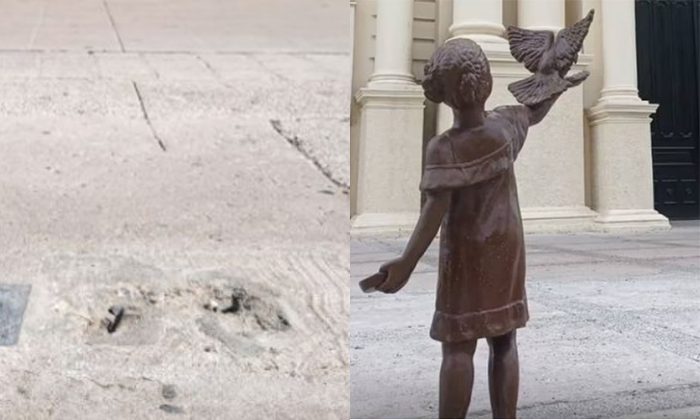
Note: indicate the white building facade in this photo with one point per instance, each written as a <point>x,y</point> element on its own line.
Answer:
<point>587,167</point>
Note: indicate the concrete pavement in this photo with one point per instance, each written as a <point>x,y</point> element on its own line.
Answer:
<point>291,26</point>
<point>614,330</point>
<point>162,155</point>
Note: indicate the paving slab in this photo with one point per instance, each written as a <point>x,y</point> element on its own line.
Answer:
<point>613,333</point>
<point>94,212</point>
<point>225,26</point>
<point>321,26</point>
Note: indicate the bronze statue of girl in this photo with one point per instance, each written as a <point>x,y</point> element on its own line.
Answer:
<point>471,194</point>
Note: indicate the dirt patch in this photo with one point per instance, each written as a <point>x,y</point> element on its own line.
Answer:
<point>264,311</point>
<point>215,305</point>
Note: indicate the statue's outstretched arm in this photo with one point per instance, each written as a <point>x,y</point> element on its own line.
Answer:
<point>431,216</point>
<point>399,270</point>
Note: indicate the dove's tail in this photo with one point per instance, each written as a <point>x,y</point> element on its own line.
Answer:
<point>538,88</point>
<point>577,78</point>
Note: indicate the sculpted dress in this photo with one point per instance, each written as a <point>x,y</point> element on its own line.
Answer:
<point>481,277</point>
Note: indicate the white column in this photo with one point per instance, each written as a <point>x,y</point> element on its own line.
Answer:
<point>541,15</point>
<point>391,128</point>
<point>622,181</point>
<point>619,51</point>
<point>392,62</point>
<point>353,10</point>
<point>480,20</point>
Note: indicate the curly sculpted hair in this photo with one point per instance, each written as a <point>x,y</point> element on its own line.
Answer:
<point>458,74</point>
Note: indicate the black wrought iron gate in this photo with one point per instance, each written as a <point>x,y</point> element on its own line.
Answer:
<point>668,64</point>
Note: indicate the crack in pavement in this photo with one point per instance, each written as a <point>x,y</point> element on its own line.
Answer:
<point>147,118</point>
<point>299,146</point>
<point>114,26</point>
<point>37,27</point>
<point>208,66</point>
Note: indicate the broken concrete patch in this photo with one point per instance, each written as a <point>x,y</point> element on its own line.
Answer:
<point>13,302</point>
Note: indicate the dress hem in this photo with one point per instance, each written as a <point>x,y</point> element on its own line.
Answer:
<point>452,328</point>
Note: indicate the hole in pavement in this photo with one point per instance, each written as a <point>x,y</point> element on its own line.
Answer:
<point>238,301</point>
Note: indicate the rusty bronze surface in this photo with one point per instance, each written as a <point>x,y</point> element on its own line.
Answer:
<point>471,197</point>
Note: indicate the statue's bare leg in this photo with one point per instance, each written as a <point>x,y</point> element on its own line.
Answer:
<point>504,375</point>
<point>456,379</point>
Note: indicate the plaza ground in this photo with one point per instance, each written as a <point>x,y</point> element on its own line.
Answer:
<point>161,155</point>
<point>614,330</point>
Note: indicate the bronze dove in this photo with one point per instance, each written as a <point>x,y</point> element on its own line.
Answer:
<point>548,58</point>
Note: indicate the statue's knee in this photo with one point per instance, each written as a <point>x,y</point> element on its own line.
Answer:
<point>504,345</point>
<point>459,350</point>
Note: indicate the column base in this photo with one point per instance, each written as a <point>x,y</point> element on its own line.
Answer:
<point>535,220</point>
<point>554,29</point>
<point>378,223</point>
<point>558,219</point>
<point>396,94</point>
<point>495,32</point>
<point>621,109</point>
<point>392,79</point>
<point>622,179</point>
<point>632,220</point>
<point>390,149</point>
<point>488,43</point>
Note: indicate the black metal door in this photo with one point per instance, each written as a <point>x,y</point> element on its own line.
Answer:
<point>668,65</point>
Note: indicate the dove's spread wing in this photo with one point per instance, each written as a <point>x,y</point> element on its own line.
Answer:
<point>528,46</point>
<point>569,43</point>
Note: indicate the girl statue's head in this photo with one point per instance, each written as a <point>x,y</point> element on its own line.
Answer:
<point>458,74</point>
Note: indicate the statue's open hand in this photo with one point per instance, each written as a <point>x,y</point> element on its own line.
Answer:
<point>398,271</point>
